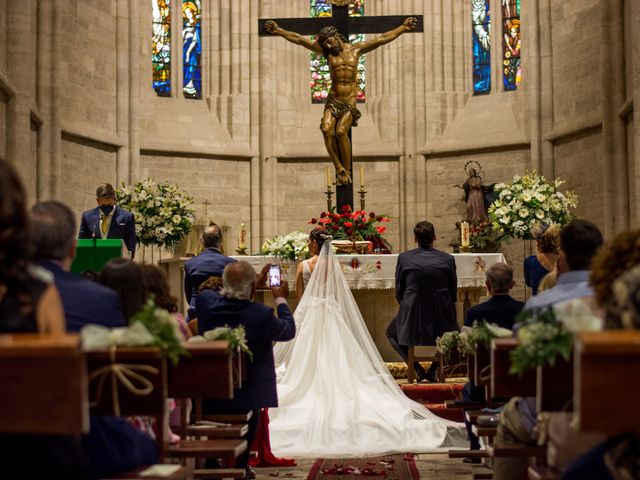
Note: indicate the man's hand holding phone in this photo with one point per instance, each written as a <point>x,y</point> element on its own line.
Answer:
<point>281,291</point>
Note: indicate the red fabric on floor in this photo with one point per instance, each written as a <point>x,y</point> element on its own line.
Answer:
<point>262,445</point>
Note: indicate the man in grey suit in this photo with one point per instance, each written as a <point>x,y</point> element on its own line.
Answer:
<point>426,289</point>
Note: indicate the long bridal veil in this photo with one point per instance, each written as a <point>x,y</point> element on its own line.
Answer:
<point>336,395</point>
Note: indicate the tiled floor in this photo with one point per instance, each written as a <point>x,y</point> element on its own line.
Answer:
<point>435,466</point>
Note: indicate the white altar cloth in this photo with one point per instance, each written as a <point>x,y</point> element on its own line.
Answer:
<point>377,272</point>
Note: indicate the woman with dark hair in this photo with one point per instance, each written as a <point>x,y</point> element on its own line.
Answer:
<point>126,278</point>
<point>316,239</point>
<point>29,301</point>
<point>537,266</point>
<point>157,284</point>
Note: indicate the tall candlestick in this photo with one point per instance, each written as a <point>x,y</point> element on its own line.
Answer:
<point>241,236</point>
<point>328,178</point>
<point>464,234</point>
<point>361,176</point>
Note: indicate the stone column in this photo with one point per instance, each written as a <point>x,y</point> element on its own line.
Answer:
<point>613,134</point>
<point>134,91</point>
<point>21,69</point>
<point>634,162</point>
<point>123,95</point>
<point>546,86</point>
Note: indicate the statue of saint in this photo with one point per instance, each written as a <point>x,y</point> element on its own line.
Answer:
<point>477,195</point>
<point>340,112</point>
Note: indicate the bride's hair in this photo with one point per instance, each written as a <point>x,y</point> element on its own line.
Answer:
<point>320,234</point>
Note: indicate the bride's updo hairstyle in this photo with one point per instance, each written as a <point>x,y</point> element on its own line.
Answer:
<point>319,235</point>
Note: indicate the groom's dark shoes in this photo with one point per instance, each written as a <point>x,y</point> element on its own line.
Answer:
<point>431,376</point>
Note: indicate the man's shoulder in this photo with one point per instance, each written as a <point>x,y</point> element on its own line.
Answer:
<point>123,213</point>
<point>90,212</point>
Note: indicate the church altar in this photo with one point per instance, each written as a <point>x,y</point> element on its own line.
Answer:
<point>372,281</point>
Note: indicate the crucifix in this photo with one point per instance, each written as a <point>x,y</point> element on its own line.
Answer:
<point>340,112</point>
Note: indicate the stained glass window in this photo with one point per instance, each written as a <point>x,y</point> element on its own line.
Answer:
<point>481,22</point>
<point>320,77</point>
<point>161,47</point>
<point>191,48</point>
<point>511,34</point>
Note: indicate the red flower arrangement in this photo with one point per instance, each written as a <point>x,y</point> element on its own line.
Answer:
<point>356,226</point>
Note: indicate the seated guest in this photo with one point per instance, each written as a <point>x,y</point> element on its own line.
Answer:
<point>155,279</point>
<point>617,257</point>
<point>210,263</point>
<point>112,444</point>
<point>233,306</point>
<point>125,277</point>
<point>29,303</point>
<point>580,240</point>
<point>108,220</point>
<point>501,308</point>
<point>53,227</point>
<point>538,265</point>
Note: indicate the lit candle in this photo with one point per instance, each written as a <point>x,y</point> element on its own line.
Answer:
<point>464,234</point>
<point>328,178</point>
<point>361,176</point>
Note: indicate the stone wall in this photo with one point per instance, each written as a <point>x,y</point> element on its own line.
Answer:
<point>77,109</point>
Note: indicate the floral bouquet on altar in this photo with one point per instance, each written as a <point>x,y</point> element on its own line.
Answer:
<point>530,200</point>
<point>163,212</point>
<point>292,246</point>
<point>356,226</point>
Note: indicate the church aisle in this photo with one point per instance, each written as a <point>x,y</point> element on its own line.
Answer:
<point>430,466</point>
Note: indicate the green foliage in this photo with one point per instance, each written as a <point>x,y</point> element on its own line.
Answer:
<point>542,338</point>
<point>447,343</point>
<point>481,333</point>
<point>164,328</point>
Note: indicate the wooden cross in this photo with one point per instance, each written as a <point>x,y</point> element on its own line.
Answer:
<point>346,25</point>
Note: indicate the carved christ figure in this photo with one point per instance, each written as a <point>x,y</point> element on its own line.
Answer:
<point>340,112</point>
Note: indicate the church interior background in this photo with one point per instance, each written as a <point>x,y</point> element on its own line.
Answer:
<point>237,126</point>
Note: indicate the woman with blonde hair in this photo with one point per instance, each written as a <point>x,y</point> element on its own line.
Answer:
<point>537,266</point>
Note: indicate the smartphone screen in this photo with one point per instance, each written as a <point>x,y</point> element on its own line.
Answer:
<point>274,276</point>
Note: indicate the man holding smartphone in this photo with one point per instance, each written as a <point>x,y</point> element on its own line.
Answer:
<point>233,305</point>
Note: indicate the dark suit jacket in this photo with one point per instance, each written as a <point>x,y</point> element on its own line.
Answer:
<point>197,269</point>
<point>499,309</point>
<point>123,225</point>
<point>262,328</point>
<point>85,302</point>
<point>426,289</point>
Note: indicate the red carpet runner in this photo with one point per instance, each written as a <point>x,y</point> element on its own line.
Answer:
<point>433,395</point>
<point>388,467</point>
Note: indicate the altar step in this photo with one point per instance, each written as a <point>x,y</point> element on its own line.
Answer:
<point>433,396</point>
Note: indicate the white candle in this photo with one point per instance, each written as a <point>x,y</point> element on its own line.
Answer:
<point>361,176</point>
<point>328,178</point>
<point>464,234</point>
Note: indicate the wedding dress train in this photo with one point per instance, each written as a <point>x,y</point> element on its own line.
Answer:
<point>336,396</point>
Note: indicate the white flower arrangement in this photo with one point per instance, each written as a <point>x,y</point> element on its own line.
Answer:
<point>530,200</point>
<point>163,212</point>
<point>292,246</point>
<point>447,343</point>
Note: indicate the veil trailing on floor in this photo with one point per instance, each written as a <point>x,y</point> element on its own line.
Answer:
<point>336,395</point>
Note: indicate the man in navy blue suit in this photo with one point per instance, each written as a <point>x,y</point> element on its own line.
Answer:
<point>210,263</point>
<point>501,308</point>
<point>233,306</point>
<point>53,227</point>
<point>108,220</point>
<point>112,444</point>
<point>426,289</point>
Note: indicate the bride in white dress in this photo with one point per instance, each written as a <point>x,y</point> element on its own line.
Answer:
<point>336,396</point>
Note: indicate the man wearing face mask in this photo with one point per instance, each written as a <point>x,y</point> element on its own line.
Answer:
<point>108,220</point>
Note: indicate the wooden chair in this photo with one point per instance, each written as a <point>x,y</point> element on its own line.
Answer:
<point>43,383</point>
<point>420,353</point>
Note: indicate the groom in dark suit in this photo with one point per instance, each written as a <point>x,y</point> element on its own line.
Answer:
<point>108,220</point>
<point>233,306</point>
<point>426,289</point>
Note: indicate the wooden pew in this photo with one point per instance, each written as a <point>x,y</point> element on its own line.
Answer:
<point>605,367</point>
<point>43,383</point>
<point>209,371</point>
<point>554,386</point>
<point>503,384</point>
